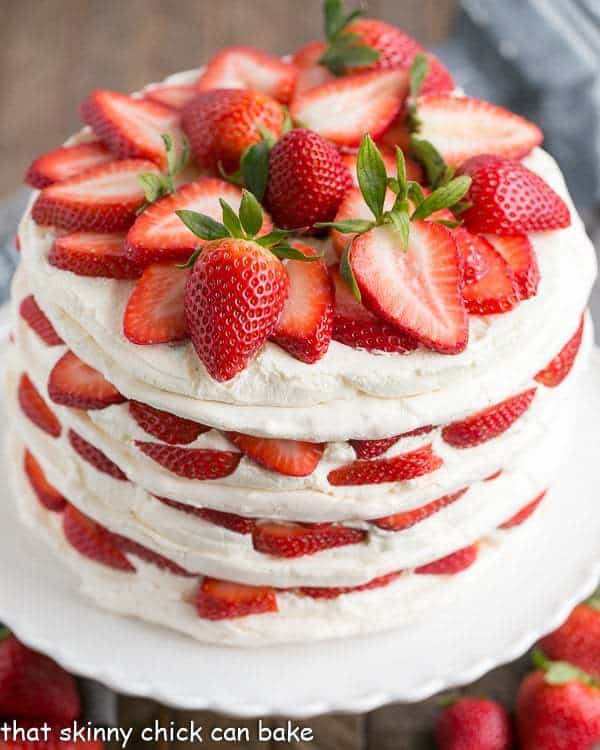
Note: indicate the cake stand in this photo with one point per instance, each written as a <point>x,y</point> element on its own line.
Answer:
<point>529,594</point>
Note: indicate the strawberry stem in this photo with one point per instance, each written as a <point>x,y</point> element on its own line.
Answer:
<point>344,50</point>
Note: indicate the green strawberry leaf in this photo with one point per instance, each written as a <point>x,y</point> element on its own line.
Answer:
<point>372,176</point>
<point>273,238</point>
<point>401,223</point>
<point>4,632</point>
<point>284,250</point>
<point>192,259</point>
<point>431,159</point>
<point>156,186</point>
<point>345,49</point>
<point>202,226</point>
<point>443,197</point>
<point>348,226</point>
<point>415,193</point>
<point>561,672</point>
<point>231,220</point>
<point>402,191</point>
<point>594,601</point>
<point>251,216</point>
<point>348,274</point>
<point>254,168</point>
<point>153,186</point>
<point>333,12</point>
<point>418,73</point>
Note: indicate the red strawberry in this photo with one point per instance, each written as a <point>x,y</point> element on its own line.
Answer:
<point>474,724</point>
<point>231,521</point>
<point>558,368</point>
<point>95,456</point>
<point>417,290</point>
<point>307,180</point>
<point>496,291</point>
<point>64,162</point>
<point>192,463</point>
<point>524,513</point>
<point>233,299</point>
<point>355,326</point>
<point>171,95</point>
<point>94,254</point>
<point>518,252</point>
<point>461,127</point>
<point>101,199</point>
<point>155,312</point>
<point>34,687</point>
<point>374,448</point>
<point>48,495</point>
<point>310,73</point>
<point>131,128</point>
<point>508,198</point>
<point>159,234</point>
<point>169,428</point>
<point>401,521</point>
<point>249,68</point>
<point>396,469</point>
<point>73,383</point>
<point>453,563</point>
<point>345,109</point>
<point>296,540</point>
<point>221,600</point>
<point>93,541</point>
<point>414,172</point>
<point>31,312</point>
<point>489,423</point>
<point>306,321</point>
<point>293,458</point>
<point>221,124</point>
<point>129,547</point>
<point>475,258</point>
<point>396,49</point>
<point>34,407</point>
<point>332,592</point>
<point>438,79</point>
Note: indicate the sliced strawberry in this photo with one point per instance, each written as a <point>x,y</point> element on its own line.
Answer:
<point>93,541</point>
<point>558,368</point>
<point>296,540</point>
<point>489,423</point>
<point>374,448</point>
<point>192,463</point>
<point>131,128</point>
<point>64,162</point>
<point>34,407</point>
<point>48,495</point>
<point>94,254</point>
<point>397,469</point>
<point>294,458</point>
<point>453,563</point>
<point>332,592</point>
<point>32,313</point>
<point>222,600</point>
<point>169,428</point>
<point>496,291</point>
<point>398,134</point>
<point>345,109</point>
<point>493,476</point>
<point>101,199</point>
<point>355,326</point>
<point>416,290</point>
<point>518,252</point>
<point>249,68</point>
<point>306,321</point>
<point>475,260</point>
<point>154,313</point>
<point>353,206</point>
<point>461,127</point>
<point>310,73</point>
<point>95,457</point>
<point>129,547</point>
<point>438,79</point>
<point>171,95</point>
<point>75,384</point>
<point>522,515</point>
<point>414,171</point>
<point>231,521</point>
<point>401,521</point>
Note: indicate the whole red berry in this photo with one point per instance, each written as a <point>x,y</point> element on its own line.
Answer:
<point>578,639</point>
<point>474,724</point>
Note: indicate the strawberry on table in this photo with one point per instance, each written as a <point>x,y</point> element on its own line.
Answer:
<point>397,469</point>
<point>295,540</point>
<point>294,458</point>
<point>94,254</point>
<point>34,407</point>
<point>169,428</point>
<point>561,365</point>
<point>456,562</point>
<point>32,313</point>
<point>93,541</point>
<point>94,456</point>
<point>221,600</point>
<point>48,495</point>
<point>474,724</point>
<point>64,162</point>
<point>192,463</point>
<point>408,518</point>
<point>74,383</point>
<point>518,252</point>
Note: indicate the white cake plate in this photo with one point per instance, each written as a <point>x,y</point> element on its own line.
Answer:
<point>529,594</point>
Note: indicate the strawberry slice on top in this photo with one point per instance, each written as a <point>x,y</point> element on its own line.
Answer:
<point>171,95</point>
<point>169,428</point>
<point>518,252</point>
<point>561,365</point>
<point>96,254</point>
<point>397,469</point>
<point>75,384</point>
<point>64,162</point>
<point>294,458</point>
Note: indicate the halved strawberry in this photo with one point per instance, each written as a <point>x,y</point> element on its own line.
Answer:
<point>31,312</point>
<point>75,384</point>
<point>64,162</point>
<point>489,423</point>
<point>310,73</point>
<point>231,521</point>
<point>401,521</point>
<point>417,290</point>
<point>332,592</point>
<point>374,448</point>
<point>461,127</point>
<point>94,254</point>
<point>294,458</point>
<point>493,476</point>
<point>93,541</point>
<point>397,469</point>
<point>296,540</point>
<point>129,547</point>
<point>169,428</point>
<point>101,199</point>
<point>306,321</point>
<point>355,326</point>
<point>560,366</point>
<point>345,109</point>
<point>453,563</point>
<point>249,68</point>
<point>353,206</point>
<point>192,463</point>
<point>518,252</point>
<point>414,171</point>
<point>496,291</point>
<point>222,600</point>
<point>95,456</point>
<point>522,515</point>
<point>154,313</point>
<point>438,79</point>
<point>131,128</point>
<point>34,407</point>
<point>48,495</point>
<point>171,95</point>
<point>475,260</point>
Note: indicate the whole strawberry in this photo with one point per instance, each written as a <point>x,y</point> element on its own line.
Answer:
<point>474,724</point>
<point>32,686</point>
<point>307,180</point>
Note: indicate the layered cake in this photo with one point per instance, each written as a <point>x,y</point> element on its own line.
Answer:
<point>296,342</point>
